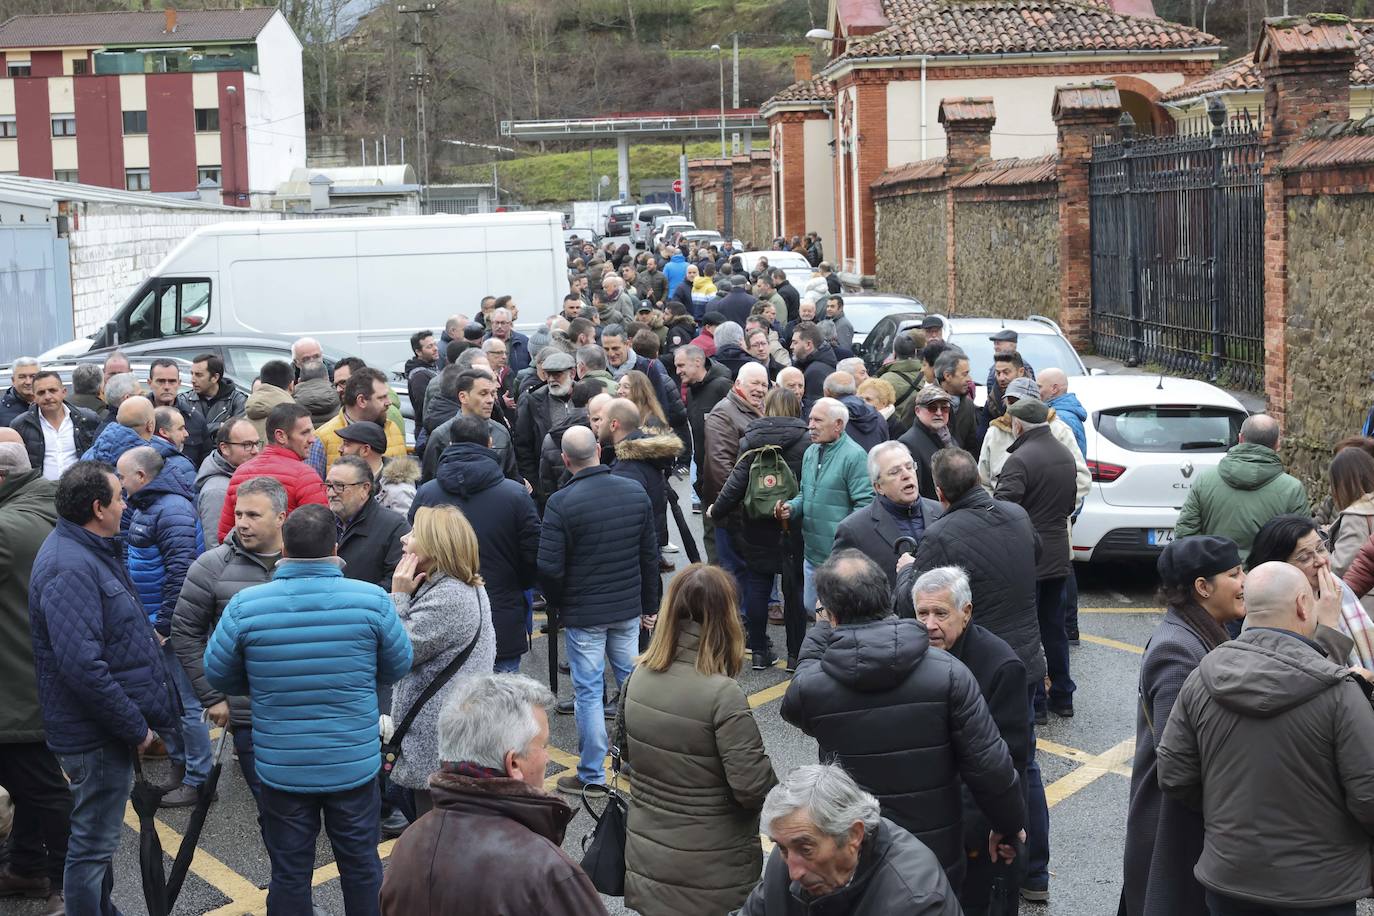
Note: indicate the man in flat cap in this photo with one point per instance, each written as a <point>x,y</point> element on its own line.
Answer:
<point>1007,364</point>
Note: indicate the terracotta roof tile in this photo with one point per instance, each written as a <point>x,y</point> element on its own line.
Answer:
<point>967,109</point>
<point>123,28</point>
<point>814,91</point>
<point>1315,32</point>
<point>1014,26</point>
<point>1244,73</point>
<point>1001,172</point>
<point>912,171</point>
<point>1086,97</point>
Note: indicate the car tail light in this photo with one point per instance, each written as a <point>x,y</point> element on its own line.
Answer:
<point>1102,472</point>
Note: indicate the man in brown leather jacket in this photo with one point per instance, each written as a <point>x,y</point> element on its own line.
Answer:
<point>491,814</point>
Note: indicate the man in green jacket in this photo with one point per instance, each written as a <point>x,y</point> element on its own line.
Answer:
<point>833,484</point>
<point>904,373</point>
<point>1245,490</point>
<point>43,804</point>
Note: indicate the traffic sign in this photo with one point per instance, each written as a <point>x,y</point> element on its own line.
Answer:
<point>677,185</point>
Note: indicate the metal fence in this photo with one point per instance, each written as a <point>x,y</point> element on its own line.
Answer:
<point>1178,251</point>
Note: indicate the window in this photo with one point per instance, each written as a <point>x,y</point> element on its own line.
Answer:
<point>65,175</point>
<point>22,69</point>
<point>169,308</point>
<point>135,122</point>
<point>207,119</point>
<point>64,125</point>
<point>8,127</point>
<point>137,180</point>
<point>1171,429</point>
<point>78,68</point>
<point>211,172</point>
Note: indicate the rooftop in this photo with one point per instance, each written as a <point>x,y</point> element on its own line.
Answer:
<point>815,91</point>
<point>71,30</point>
<point>67,190</point>
<point>958,27</point>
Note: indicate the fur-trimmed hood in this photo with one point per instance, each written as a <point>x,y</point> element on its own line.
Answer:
<point>401,470</point>
<point>1003,422</point>
<point>643,447</point>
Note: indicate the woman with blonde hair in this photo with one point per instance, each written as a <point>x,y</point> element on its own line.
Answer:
<point>443,605</point>
<point>880,394</point>
<point>697,768</point>
<point>636,388</point>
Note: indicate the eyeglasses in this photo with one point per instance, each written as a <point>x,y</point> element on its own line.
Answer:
<point>333,486</point>
<point>252,445</point>
<point>1311,556</point>
<point>941,407</point>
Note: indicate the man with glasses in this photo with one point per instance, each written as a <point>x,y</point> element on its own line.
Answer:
<point>898,511</point>
<point>928,434</point>
<point>235,442</point>
<point>369,535</point>
<point>517,344</point>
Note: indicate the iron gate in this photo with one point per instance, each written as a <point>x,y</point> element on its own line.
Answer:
<point>1178,251</point>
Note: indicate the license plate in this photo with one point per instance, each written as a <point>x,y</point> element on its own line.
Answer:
<point>1159,537</point>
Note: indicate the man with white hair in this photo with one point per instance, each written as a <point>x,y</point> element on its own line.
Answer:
<point>617,307</point>
<point>517,344</point>
<point>118,389</point>
<point>1274,743</point>
<point>833,851</point>
<point>855,366</point>
<point>943,602</point>
<point>898,513</point>
<point>833,484</point>
<point>305,350</point>
<point>792,379</point>
<point>493,751</point>
<point>723,429</point>
<point>19,395</point>
<point>866,426</point>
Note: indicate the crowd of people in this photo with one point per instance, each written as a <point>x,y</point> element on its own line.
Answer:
<point>275,560</point>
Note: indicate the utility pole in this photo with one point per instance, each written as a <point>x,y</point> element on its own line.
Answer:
<point>734,137</point>
<point>418,81</point>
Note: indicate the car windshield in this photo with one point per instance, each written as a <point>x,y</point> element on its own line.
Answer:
<point>1171,429</point>
<point>866,315</point>
<point>1042,351</point>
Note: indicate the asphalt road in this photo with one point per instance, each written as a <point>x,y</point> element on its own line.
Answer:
<point>1086,764</point>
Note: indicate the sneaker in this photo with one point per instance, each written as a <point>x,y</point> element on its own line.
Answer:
<point>1036,894</point>
<point>571,785</point>
<point>183,796</point>
<point>764,660</point>
<point>393,825</point>
<point>791,666</point>
<point>12,885</point>
<point>670,547</point>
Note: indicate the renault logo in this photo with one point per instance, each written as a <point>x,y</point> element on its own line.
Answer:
<point>1187,469</point>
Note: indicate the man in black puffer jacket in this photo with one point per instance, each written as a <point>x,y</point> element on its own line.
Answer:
<point>503,516</point>
<point>815,358</point>
<point>646,457</point>
<point>906,720</point>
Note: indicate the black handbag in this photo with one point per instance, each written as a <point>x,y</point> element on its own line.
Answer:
<point>391,750</point>
<point>603,850</point>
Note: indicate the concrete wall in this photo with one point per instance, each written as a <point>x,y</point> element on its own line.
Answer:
<point>912,247</point>
<point>115,246</point>
<point>1006,257</point>
<point>1327,338</point>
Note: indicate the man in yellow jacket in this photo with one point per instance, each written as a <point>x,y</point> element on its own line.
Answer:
<point>366,398</point>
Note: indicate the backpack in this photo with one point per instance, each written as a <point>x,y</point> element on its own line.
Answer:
<point>770,479</point>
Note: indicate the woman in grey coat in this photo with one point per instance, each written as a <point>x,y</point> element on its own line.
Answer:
<point>1202,584</point>
<point>443,605</point>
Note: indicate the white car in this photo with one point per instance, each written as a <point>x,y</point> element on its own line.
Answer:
<point>797,268</point>
<point>1149,439</point>
<point>664,229</point>
<point>1039,341</point>
<point>642,223</point>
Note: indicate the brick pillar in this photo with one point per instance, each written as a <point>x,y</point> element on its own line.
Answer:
<point>968,132</point>
<point>1306,63</point>
<point>1081,113</point>
<point>792,177</point>
<point>871,149</point>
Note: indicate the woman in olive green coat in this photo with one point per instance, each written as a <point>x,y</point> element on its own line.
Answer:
<point>697,769</point>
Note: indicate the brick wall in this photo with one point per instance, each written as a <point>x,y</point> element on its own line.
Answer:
<point>114,247</point>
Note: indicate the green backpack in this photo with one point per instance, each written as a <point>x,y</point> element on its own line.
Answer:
<point>770,479</point>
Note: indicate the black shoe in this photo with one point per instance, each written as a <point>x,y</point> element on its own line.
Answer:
<point>564,707</point>
<point>12,885</point>
<point>563,668</point>
<point>1072,633</point>
<point>393,825</point>
<point>1062,710</point>
<point>764,660</point>
<point>791,667</point>
<point>1042,717</point>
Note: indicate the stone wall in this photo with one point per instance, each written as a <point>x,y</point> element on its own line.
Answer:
<point>114,247</point>
<point>912,243</point>
<point>1006,256</point>
<point>1327,334</point>
<point>705,206</point>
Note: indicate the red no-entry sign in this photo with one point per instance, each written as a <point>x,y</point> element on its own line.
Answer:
<point>677,185</point>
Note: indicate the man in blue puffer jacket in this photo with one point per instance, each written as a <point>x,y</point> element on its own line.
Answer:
<point>308,649</point>
<point>169,438</point>
<point>101,679</point>
<point>164,538</point>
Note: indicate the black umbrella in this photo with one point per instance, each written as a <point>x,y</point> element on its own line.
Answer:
<point>689,543</point>
<point>205,795</point>
<point>552,619</point>
<point>146,797</point>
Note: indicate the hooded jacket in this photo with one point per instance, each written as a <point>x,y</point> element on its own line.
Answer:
<point>458,857</point>
<point>212,483</point>
<point>164,539</point>
<point>501,444</point>
<point>211,582</point>
<point>114,440</point>
<point>179,463</point>
<point>260,404</point>
<point>1247,488</point>
<point>998,439</point>
<point>1074,415</point>
<point>909,723</point>
<point>29,425</point>
<point>761,542</point>
<point>866,426</point>
<point>1275,744</point>
<point>397,483</point>
<point>997,546</point>
<point>319,397</point>
<point>503,516</point>
<point>675,271</point>
<point>28,514</point>
<point>647,458</point>
<point>816,368</point>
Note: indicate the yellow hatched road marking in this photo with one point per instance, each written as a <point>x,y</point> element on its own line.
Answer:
<point>1091,770</point>
<point>1113,643</point>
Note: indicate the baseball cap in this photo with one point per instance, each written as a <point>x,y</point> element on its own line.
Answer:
<point>930,321</point>
<point>365,433</point>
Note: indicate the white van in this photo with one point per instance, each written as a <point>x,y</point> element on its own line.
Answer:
<point>358,285</point>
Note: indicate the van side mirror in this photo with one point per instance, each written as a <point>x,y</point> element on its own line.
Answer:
<point>111,332</point>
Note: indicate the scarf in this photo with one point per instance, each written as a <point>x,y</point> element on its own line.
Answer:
<point>1204,626</point>
<point>471,770</point>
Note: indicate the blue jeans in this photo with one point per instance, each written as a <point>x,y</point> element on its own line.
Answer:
<point>290,827</point>
<point>809,588</point>
<point>588,649</point>
<point>243,748</point>
<point>757,590</point>
<point>100,781</point>
<point>1037,874</point>
<point>189,745</point>
<point>509,665</point>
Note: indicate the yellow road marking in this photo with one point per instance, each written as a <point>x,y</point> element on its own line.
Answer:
<point>1074,754</point>
<point>1113,643</point>
<point>768,694</point>
<point>204,865</point>
<point>1092,769</point>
